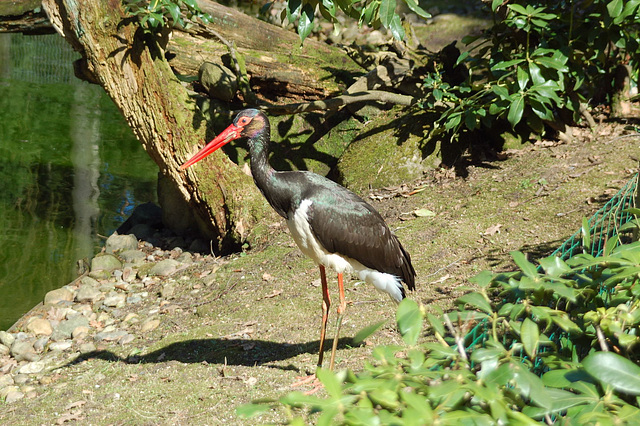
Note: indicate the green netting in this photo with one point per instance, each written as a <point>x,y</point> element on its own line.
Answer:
<point>590,238</point>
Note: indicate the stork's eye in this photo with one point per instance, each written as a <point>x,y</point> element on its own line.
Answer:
<point>243,121</point>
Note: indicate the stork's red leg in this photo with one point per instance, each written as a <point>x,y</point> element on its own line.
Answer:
<point>341,308</point>
<point>326,303</point>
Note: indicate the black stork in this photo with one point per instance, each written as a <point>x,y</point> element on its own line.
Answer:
<point>332,225</point>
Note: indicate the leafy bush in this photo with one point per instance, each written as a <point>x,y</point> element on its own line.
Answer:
<point>371,12</point>
<point>560,344</point>
<point>154,15</point>
<point>540,62</point>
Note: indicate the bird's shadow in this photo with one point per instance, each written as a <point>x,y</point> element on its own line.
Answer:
<point>245,352</point>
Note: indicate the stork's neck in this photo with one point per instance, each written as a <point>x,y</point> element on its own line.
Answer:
<point>275,190</point>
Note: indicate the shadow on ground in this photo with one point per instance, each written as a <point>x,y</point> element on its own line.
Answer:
<point>246,352</point>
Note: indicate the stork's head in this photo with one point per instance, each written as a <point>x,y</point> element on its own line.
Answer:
<point>249,123</point>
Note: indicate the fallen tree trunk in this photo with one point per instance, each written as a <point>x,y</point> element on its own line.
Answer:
<point>163,117</point>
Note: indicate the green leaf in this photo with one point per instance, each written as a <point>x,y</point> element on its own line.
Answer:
<point>554,266</point>
<point>483,279</point>
<point>516,109</point>
<point>615,8</point>
<point>528,268</point>
<point>409,321</point>
<point>501,91</point>
<point>247,411</point>
<point>530,336</point>
<point>523,78</point>
<point>614,370</point>
<point>506,64</point>
<point>551,63</point>
<point>367,331</point>
<point>293,9</point>
<point>330,382</point>
<point>531,386</point>
<point>396,28</point>
<point>415,8</point>
<point>305,24</point>
<point>436,323</point>
<point>387,12</point>
<point>476,300</point>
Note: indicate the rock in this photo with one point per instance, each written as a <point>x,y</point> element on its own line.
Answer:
<point>32,367</point>
<point>6,380</point>
<point>87,347</point>
<point>168,290</point>
<point>88,292</point>
<point>21,379</point>
<point>110,335</point>
<point>135,257</point>
<point>116,243</point>
<point>131,317</point>
<point>219,81</point>
<point>41,343</point>
<point>58,295</point>
<point>105,262</point>
<point>149,325</point>
<point>4,350</point>
<point>164,267</point>
<point>65,328</point>
<point>115,300</point>
<point>39,326</point>
<point>22,350</point>
<point>6,339</point>
<point>80,332</point>
<point>134,299</point>
<point>60,346</point>
<point>127,338</point>
<point>11,394</point>
<point>185,257</point>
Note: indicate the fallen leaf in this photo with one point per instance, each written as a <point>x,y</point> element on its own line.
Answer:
<point>492,230</point>
<point>75,405</point>
<point>424,213</point>
<point>267,277</point>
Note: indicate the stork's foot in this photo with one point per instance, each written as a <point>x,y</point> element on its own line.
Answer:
<point>311,382</point>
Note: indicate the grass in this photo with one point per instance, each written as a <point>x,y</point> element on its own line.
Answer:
<point>248,329</point>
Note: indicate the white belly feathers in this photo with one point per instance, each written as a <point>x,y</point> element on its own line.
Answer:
<point>303,236</point>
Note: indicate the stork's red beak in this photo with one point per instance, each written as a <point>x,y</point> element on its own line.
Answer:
<point>230,133</point>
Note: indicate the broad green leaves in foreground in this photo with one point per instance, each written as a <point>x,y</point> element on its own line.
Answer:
<point>545,349</point>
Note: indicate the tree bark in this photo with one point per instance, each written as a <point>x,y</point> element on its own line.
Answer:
<point>135,74</point>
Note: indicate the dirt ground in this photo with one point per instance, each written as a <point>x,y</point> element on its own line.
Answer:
<point>246,326</point>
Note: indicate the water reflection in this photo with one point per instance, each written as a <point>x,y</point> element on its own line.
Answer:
<point>70,170</point>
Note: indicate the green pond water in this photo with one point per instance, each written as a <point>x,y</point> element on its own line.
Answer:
<point>71,170</point>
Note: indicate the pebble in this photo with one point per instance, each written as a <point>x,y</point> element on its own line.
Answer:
<point>164,267</point>
<point>11,394</point>
<point>149,325</point>
<point>6,380</point>
<point>94,312</point>
<point>110,335</point>
<point>135,257</point>
<point>168,290</point>
<point>39,326</point>
<point>61,346</point>
<point>80,332</point>
<point>114,299</point>
<point>116,243</point>
<point>31,368</point>
<point>66,327</point>
<point>57,296</point>
<point>105,262</point>
<point>6,338</point>
<point>87,347</point>
<point>22,350</point>
<point>88,292</point>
